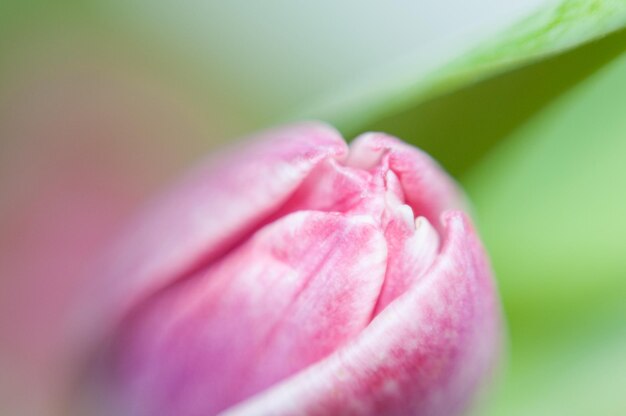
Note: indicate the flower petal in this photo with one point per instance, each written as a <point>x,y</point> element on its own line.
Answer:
<point>218,204</point>
<point>425,354</point>
<point>294,293</point>
<point>427,188</point>
<point>412,249</point>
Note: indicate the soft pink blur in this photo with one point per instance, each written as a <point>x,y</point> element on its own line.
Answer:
<point>83,143</point>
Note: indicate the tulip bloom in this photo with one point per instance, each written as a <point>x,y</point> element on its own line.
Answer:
<point>295,275</point>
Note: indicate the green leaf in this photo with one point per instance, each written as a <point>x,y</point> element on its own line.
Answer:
<point>460,127</point>
<point>557,27</point>
<point>551,202</point>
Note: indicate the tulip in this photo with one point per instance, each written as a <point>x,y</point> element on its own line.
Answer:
<point>295,275</point>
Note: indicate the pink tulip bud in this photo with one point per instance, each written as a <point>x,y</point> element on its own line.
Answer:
<point>296,276</point>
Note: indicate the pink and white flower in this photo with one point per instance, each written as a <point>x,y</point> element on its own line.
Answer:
<point>297,275</point>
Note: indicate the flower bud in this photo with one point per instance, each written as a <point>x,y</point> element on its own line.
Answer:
<point>295,275</point>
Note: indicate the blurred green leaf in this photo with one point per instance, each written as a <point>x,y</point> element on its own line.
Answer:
<point>458,128</point>
<point>551,201</point>
<point>556,27</point>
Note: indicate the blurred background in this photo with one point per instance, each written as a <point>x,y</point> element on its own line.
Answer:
<point>103,103</point>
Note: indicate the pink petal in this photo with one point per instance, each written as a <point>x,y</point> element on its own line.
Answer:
<point>413,246</point>
<point>212,209</point>
<point>294,293</point>
<point>425,354</point>
<point>330,187</point>
<point>427,188</point>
